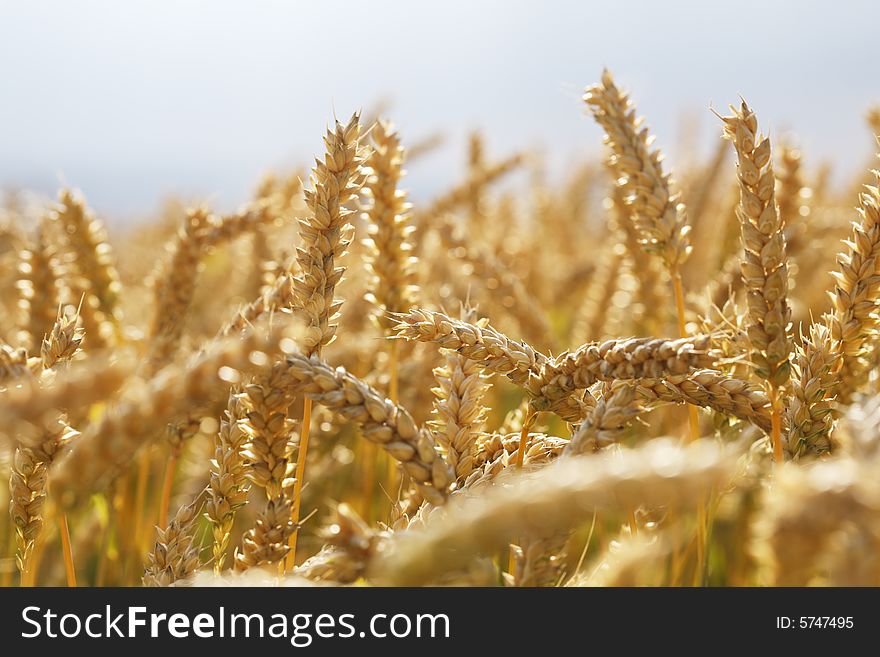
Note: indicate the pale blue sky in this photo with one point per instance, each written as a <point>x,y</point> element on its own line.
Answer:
<point>138,99</point>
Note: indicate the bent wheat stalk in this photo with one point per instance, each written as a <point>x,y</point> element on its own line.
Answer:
<point>659,473</point>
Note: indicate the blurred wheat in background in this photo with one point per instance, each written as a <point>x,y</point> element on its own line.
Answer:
<point>640,374</point>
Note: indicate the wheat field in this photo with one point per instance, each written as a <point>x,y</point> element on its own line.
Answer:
<point>642,375</point>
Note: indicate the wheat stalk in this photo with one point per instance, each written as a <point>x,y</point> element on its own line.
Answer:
<point>324,236</point>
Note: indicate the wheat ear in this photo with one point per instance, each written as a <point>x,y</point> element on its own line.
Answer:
<point>228,486</point>
<point>391,262</point>
<point>27,484</point>
<point>711,389</point>
<point>38,293</point>
<point>494,351</point>
<point>61,343</point>
<point>87,238</point>
<point>803,510</point>
<point>459,414</point>
<point>175,555</point>
<point>765,265</point>
<point>811,404</point>
<point>854,318</point>
<point>266,543</point>
<point>656,211</point>
<point>607,421</point>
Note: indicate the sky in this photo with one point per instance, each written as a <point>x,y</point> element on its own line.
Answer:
<point>138,100</point>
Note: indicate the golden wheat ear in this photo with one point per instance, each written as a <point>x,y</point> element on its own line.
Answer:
<point>658,214</point>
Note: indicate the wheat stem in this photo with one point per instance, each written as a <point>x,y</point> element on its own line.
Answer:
<point>393,395</point>
<point>140,496</point>
<point>167,485</point>
<point>775,423</point>
<point>518,464</point>
<point>301,456</point>
<point>68,553</point>
<point>693,423</point>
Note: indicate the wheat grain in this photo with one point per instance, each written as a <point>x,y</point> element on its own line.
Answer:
<point>497,451</point>
<point>269,431</point>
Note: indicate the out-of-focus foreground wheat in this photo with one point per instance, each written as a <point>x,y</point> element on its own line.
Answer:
<point>646,375</point>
